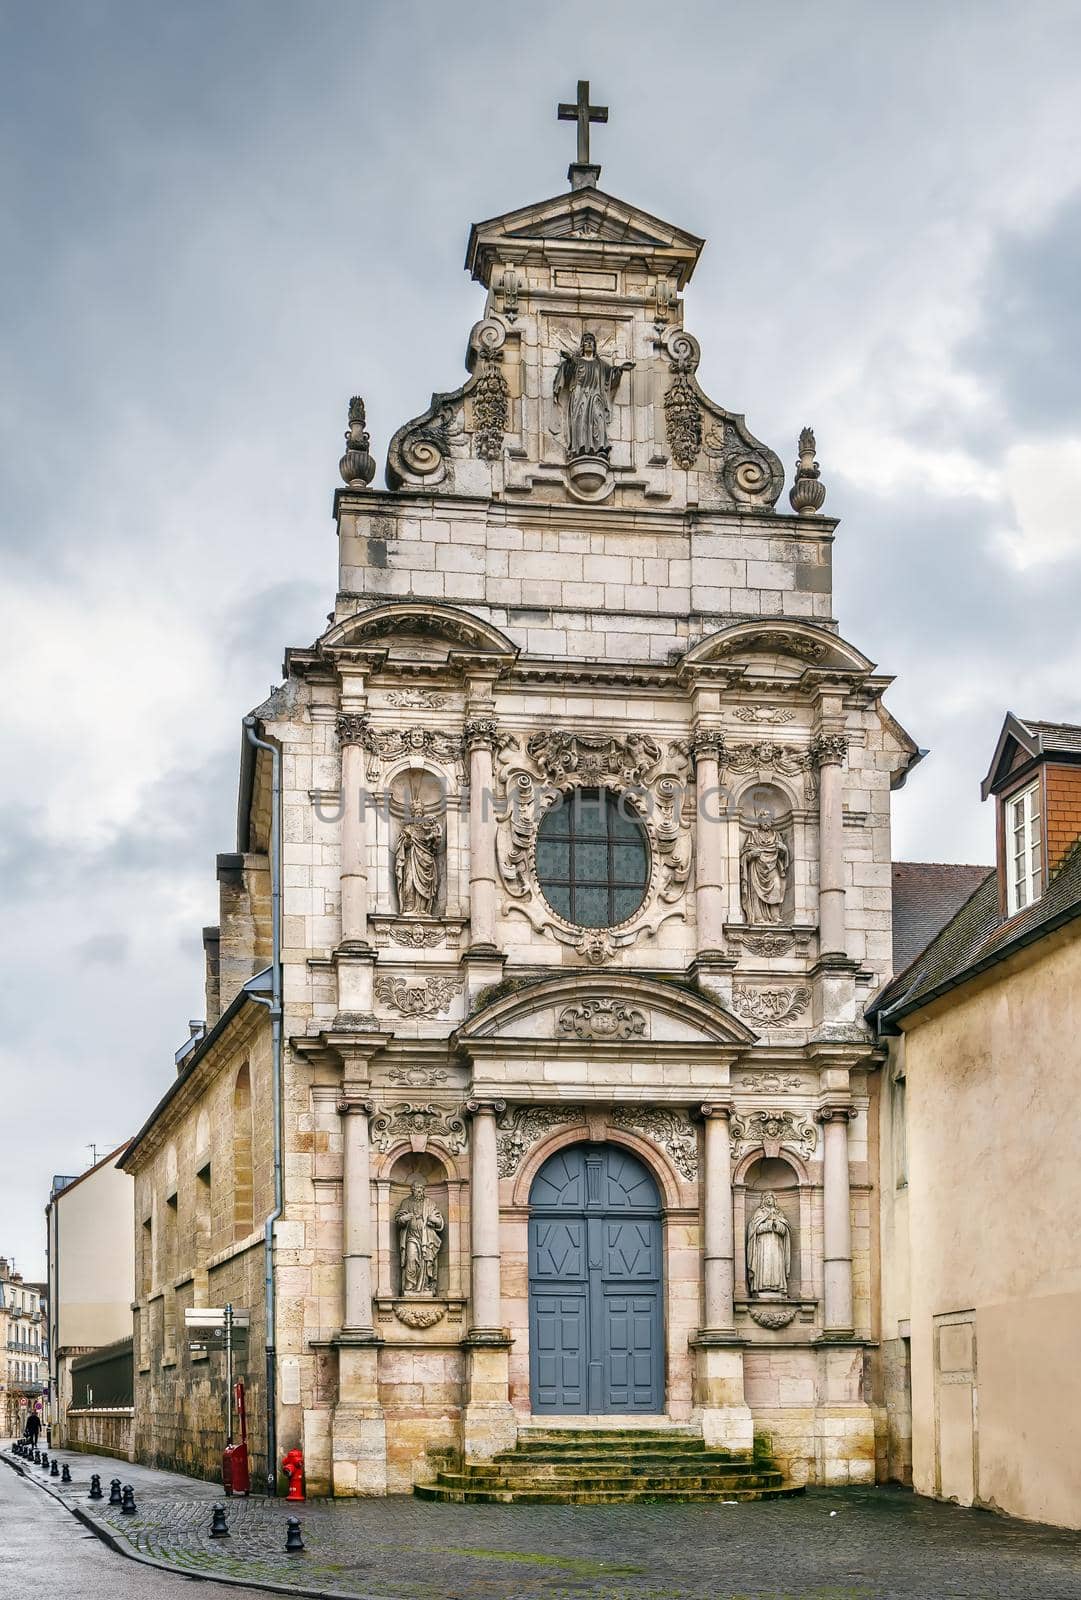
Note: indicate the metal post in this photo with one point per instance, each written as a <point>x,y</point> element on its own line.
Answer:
<point>229,1371</point>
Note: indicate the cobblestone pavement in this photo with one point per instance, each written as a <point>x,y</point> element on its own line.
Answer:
<point>873,1544</point>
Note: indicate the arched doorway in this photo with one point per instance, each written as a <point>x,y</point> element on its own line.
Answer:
<point>596,1322</point>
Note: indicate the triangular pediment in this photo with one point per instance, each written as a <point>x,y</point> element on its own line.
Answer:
<point>1017,746</point>
<point>584,1011</point>
<point>582,220</point>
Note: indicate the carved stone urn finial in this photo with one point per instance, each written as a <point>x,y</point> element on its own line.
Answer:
<point>808,492</point>
<point>356,466</point>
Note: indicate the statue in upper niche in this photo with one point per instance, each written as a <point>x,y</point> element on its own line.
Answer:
<point>589,383</point>
<point>416,866</point>
<point>763,871</point>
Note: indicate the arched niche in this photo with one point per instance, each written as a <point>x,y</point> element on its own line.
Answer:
<point>444,1187</point>
<point>420,841</point>
<point>786,1179</point>
<point>755,804</point>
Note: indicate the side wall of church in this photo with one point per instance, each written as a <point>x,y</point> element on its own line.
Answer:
<point>202,1191</point>
<point>996,1303</point>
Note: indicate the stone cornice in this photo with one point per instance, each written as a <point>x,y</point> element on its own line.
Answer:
<point>230,1036</point>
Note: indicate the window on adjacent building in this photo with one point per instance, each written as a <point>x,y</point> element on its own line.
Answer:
<point>592,858</point>
<point>1024,854</point>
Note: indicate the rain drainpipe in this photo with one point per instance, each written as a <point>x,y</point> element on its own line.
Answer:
<point>275,1006</point>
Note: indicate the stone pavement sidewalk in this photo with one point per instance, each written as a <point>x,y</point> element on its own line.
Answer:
<point>849,1544</point>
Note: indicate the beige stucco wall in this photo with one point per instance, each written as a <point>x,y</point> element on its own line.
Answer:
<point>993,1190</point>
<point>94,1248</point>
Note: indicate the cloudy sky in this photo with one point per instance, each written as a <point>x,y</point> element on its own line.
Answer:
<point>222,219</point>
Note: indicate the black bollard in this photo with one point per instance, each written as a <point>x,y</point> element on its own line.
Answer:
<point>127,1503</point>
<point>37,1458</point>
<point>293,1541</point>
<point>114,1492</point>
<point>219,1528</point>
<point>65,1473</point>
<point>54,1470</point>
<point>95,1487</point>
<point>44,1460</point>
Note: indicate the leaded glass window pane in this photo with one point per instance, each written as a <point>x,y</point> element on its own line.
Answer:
<point>593,858</point>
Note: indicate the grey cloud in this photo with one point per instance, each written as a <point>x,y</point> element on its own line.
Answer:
<point>1030,336</point>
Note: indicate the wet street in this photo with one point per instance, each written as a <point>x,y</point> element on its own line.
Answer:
<point>45,1550</point>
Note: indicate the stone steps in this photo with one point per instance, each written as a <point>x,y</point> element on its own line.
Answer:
<point>614,1481</point>
<point>590,1497</point>
<point>577,1466</point>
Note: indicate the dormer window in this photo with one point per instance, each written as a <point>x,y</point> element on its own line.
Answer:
<point>1024,854</point>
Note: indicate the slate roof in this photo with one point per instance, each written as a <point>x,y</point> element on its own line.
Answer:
<point>1054,736</point>
<point>977,937</point>
<point>926,894</point>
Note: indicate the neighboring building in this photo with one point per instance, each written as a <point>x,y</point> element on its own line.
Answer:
<point>24,1342</point>
<point>576,1093</point>
<point>979,1132</point>
<point>91,1286</point>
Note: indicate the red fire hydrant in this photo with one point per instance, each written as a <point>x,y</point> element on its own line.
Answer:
<point>293,1467</point>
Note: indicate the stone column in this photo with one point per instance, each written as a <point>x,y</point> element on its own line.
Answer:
<point>354,959</point>
<point>836,1221</point>
<point>828,752</point>
<point>354,868</point>
<point>480,736</point>
<point>709,841</point>
<point>484,1291</point>
<point>726,1418</point>
<point>488,1421</point>
<point>718,1252</point>
<point>356,1217</point>
<point>359,1435</point>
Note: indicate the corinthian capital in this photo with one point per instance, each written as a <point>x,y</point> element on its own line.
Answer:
<point>352,726</point>
<point>481,733</point>
<point>707,741</point>
<point>829,749</point>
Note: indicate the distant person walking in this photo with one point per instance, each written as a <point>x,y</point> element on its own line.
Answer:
<point>33,1428</point>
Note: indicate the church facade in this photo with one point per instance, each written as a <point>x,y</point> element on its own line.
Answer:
<point>535,1085</point>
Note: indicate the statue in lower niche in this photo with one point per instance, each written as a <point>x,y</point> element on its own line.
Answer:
<point>416,866</point>
<point>763,871</point>
<point>589,383</point>
<point>769,1249</point>
<point>420,1225</point>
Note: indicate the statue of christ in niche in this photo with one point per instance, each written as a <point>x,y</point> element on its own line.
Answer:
<point>589,383</point>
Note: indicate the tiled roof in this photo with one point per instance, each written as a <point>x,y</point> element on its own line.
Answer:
<point>977,936</point>
<point>1053,736</point>
<point>926,894</point>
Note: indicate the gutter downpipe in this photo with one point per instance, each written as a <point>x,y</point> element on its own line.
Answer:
<point>275,1007</point>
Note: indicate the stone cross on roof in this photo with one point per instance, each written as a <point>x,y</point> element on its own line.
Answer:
<point>582,173</point>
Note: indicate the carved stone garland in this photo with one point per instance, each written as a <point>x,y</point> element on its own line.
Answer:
<point>519,1128</point>
<point>491,409</point>
<point>683,421</point>
<point>405,1119</point>
<point>669,1129</point>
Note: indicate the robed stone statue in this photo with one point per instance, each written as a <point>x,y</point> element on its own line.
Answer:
<point>416,866</point>
<point>589,383</point>
<point>420,1225</point>
<point>769,1249</point>
<point>763,871</point>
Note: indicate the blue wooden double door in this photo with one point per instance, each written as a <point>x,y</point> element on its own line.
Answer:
<point>596,1322</point>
